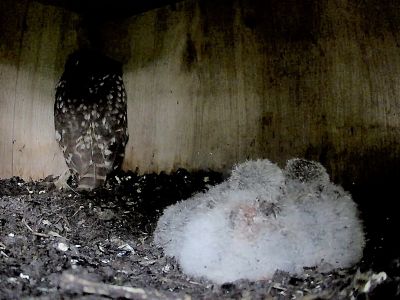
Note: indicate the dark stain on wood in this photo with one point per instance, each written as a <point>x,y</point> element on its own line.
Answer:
<point>189,58</point>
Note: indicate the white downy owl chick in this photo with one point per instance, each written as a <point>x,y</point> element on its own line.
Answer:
<point>324,217</point>
<point>262,220</point>
<point>174,219</point>
<point>262,177</point>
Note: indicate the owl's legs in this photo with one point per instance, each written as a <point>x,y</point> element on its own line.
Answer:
<point>61,182</point>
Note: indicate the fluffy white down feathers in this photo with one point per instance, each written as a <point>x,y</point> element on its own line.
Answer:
<point>263,219</point>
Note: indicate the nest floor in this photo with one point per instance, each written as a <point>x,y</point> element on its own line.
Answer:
<point>64,245</point>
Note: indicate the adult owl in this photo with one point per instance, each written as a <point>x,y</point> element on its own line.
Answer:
<point>90,116</point>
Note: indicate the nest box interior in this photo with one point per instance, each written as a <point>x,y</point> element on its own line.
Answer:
<point>214,83</point>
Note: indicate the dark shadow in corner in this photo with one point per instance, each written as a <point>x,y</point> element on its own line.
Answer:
<point>373,179</point>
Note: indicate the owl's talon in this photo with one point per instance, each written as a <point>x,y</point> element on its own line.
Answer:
<point>61,182</point>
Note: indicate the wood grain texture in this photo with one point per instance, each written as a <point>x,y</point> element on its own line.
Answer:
<point>11,24</point>
<point>39,51</point>
<point>7,100</point>
<point>212,83</point>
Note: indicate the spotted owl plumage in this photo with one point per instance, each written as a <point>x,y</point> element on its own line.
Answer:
<point>90,115</point>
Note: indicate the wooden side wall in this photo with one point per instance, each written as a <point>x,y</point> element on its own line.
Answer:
<point>35,40</point>
<point>212,83</point>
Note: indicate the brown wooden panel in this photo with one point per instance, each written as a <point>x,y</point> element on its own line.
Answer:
<point>214,83</point>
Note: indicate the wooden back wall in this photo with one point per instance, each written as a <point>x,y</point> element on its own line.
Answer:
<point>210,85</point>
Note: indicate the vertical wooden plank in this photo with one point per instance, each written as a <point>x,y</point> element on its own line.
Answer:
<point>8,75</point>
<point>11,31</point>
<point>160,117</point>
<point>35,151</point>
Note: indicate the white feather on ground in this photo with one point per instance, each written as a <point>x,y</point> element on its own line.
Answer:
<point>263,219</point>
